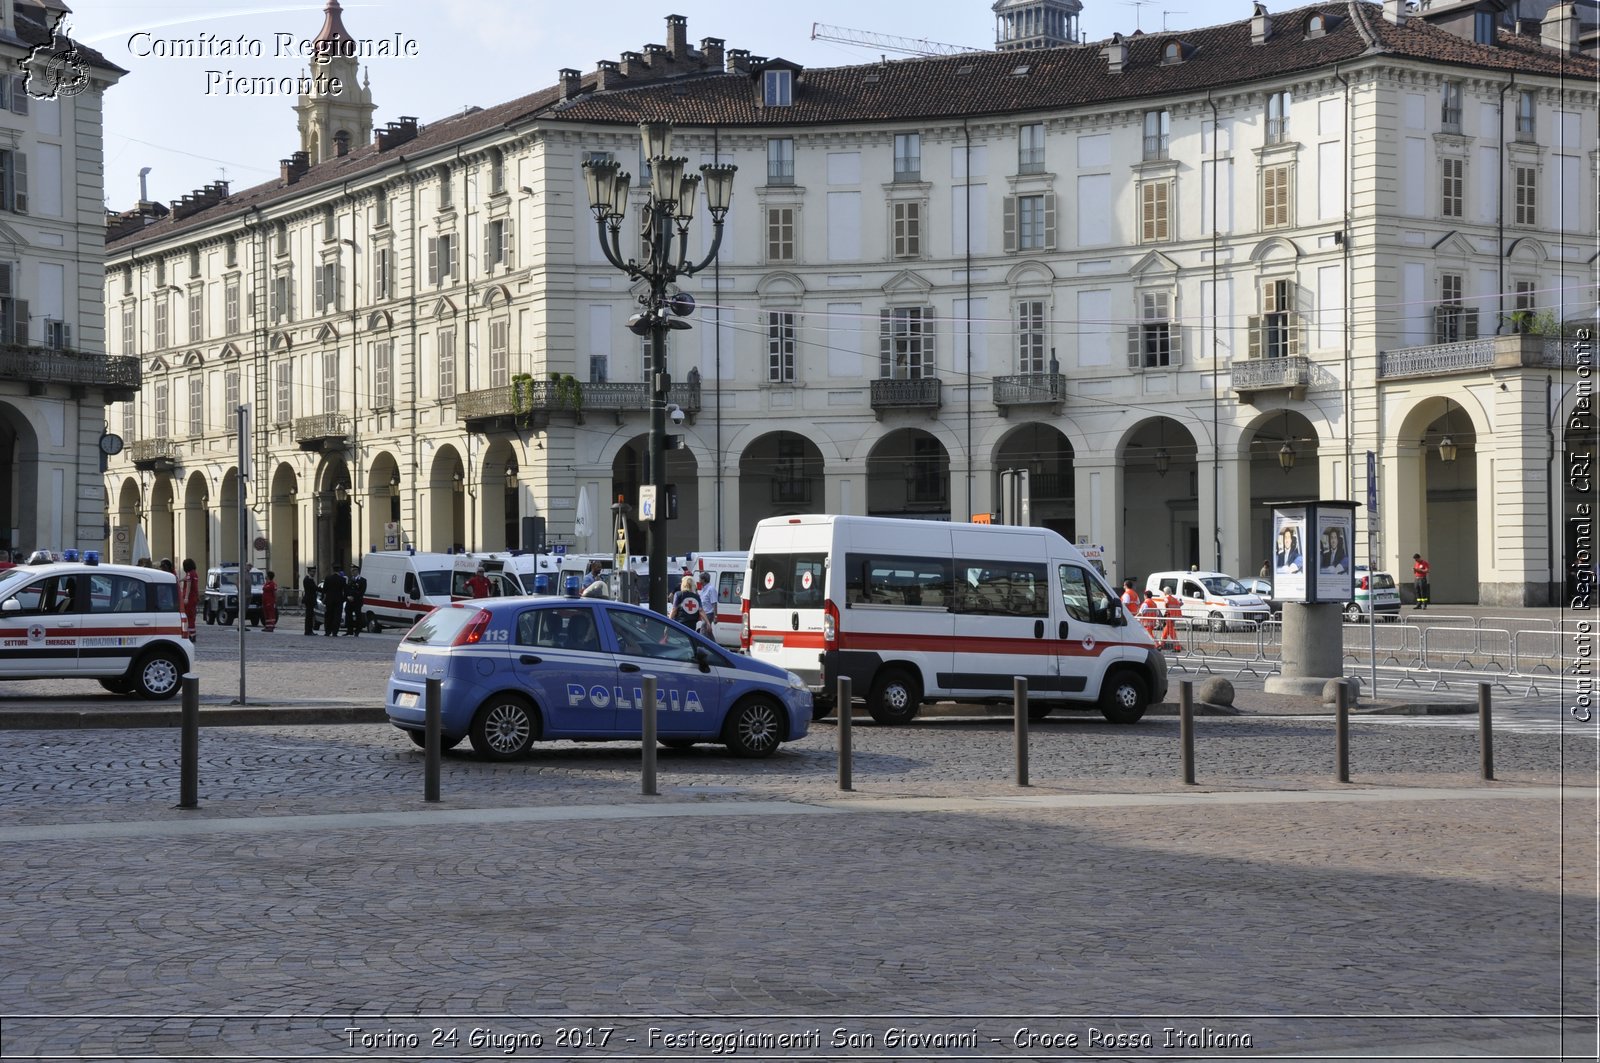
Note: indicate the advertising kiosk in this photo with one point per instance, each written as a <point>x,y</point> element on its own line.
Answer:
<point>1313,574</point>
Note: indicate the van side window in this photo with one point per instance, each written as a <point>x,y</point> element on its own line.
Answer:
<point>1169,585</point>
<point>1084,597</point>
<point>919,582</point>
<point>1192,589</point>
<point>411,585</point>
<point>788,581</point>
<point>730,588</point>
<point>1001,588</point>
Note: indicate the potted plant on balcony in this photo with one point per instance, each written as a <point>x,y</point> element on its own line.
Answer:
<point>567,391</point>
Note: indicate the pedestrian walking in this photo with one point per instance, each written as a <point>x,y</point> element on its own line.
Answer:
<point>355,601</point>
<point>1419,579</point>
<point>269,601</point>
<point>333,591</point>
<point>1130,596</point>
<point>189,597</point>
<point>1169,630</point>
<point>1149,613</point>
<point>308,598</point>
<point>708,605</point>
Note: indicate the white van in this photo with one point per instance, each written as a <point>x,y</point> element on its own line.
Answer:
<point>727,568</point>
<point>1212,598</point>
<point>915,611</point>
<point>402,586</point>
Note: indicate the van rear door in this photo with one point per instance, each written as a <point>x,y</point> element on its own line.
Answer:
<point>786,592</point>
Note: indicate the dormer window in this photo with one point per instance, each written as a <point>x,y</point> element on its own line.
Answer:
<point>1172,53</point>
<point>1483,27</point>
<point>777,88</point>
<point>1316,26</point>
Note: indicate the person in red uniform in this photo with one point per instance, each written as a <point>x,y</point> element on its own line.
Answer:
<point>269,601</point>
<point>478,584</point>
<point>1149,612</point>
<point>189,597</point>
<point>1169,631</point>
<point>1419,579</point>
<point>1130,596</point>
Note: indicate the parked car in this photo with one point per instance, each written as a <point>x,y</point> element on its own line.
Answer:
<point>118,624</point>
<point>515,671</point>
<point>1213,597</point>
<point>220,601</point>
<point>1262,588</point>
<point>1376,591</point>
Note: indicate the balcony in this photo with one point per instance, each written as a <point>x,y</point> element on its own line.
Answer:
<point>321,431</point>
<point>1029,389</point>
<point>154,455</point>
<point>923,393</point>
<point>119,376</point>
<point>1291,374</point>
<point>529,403</point>
<point>1515,351</point>
<point>505,408</point>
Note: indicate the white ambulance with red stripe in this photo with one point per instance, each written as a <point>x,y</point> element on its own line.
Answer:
<point>919,611</point>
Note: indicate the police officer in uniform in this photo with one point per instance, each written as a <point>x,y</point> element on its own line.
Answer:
<point>355,600</point>
<point>333,591</point>
<point>308,598</point>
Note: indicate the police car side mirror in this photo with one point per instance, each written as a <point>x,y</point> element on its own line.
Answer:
<point>702,658</point>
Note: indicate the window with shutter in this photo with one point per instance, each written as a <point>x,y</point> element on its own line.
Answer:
<point>1526,184</point>
<point>447,365</point>
<point>1030,336</point>
<point>382,375</point>
<point>499,353</point>
<point>161,320</point>
<point>197,406</point>
<point>780,234</point>
<point>162,413</point>
<point>1452,193</point>
<point>780,347</point>
<point>282,392</point>
<point>905,343</point>
<point>1008,222</point>
<point>1152,343</point>
<point>380,273</point>
<point>330,381</point>
<point>1275,190</point>
<point>230,308</point>
<point>230,394</point>
<point>1277,328</point>
<point>907,230</point>
<point>19,94</point>
<point>1153,211</point>
<point>433,261</point>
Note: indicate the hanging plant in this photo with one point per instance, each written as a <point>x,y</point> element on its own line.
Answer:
<point>567,391</point>
<point>522,394</point>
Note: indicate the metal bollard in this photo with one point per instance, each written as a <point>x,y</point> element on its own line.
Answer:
<point>1186,730</point>
<point>1341,731</point>
<point>1019,696</point>
<point>433,741</point>
<point>647,738</point>
<point>1485,733</point>
<point>189,744</point>
<point>846,705</point>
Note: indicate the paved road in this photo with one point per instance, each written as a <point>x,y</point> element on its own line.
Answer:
<point>1417,912</point>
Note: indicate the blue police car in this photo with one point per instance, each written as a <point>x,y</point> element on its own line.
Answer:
<point>514,671</point>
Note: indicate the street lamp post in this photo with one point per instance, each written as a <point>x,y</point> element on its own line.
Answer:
<point>667,211</point>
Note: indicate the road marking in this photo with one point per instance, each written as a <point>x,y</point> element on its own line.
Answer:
<point>423,819</point>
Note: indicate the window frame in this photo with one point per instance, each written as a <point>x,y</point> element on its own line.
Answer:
<point>1031,148</point>
<point>1157,135</point>
<point>1452,186</point>
<point>908,156</point>
<point>1032,337</point>
<point>782,346</point>
<point>780,161</point>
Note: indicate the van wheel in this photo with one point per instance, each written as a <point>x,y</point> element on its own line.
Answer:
<point>420,740</point>
<point>1124,698</point>
<point>1216,623</point>
<point>505,728</point>
<point>755,728</point>
<point>119,685</point>
<point>211,618</point>
<point>373,625</point>
<point>1352,613</point>
<point>821,710</point>
<point>157,676</point>
<point>226,618</point>
<point>894,698</point>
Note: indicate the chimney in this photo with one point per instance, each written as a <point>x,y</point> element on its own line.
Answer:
<point>341,143</point>
<point>571,82</point>
<point>1260,25</point>
<point>1116,54</point>
<point>1395,11</point>
<point>292,167</point>
<point>606,75</point>
<point>738,60</point>
<point>656,58</point>
<point>632,64</point>
<point>1560,29</point>
<point>711,48</point>
<point>396,133</point>
<point>677,37</point>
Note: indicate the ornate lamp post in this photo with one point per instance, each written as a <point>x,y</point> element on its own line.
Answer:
<point>667,210</point>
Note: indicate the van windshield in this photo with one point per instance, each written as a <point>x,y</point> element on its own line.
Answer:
<point>787,581</point>
<point>1223,586</point>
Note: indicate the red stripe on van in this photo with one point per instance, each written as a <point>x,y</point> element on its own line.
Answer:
<point>792,640</point>
<point>974,644</point>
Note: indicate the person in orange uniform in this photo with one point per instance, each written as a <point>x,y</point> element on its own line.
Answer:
<point>1169,631</point>
<point>1149,613</point>
<point>1130,596</point>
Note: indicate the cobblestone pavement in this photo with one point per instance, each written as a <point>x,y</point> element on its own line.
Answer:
<point>1418,912</point>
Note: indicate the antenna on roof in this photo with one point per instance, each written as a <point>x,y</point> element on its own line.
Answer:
<point>1136,5</point>
<point>1164,15</point>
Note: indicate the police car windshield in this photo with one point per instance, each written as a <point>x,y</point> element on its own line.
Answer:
<point>436,583</point>
<point>440,627</point>
<point>1224,585</point>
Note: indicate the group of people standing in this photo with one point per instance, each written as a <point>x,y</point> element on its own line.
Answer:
<point>343,600</point>
<point>1154,608</point>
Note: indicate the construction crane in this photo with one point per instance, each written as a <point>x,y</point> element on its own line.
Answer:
<point>886,42</point>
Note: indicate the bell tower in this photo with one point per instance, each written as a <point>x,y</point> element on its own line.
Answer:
<point>333,123</point>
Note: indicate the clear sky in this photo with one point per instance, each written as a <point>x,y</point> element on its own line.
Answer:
<point>468,53</point>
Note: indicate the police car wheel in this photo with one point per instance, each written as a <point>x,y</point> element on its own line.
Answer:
<point>420,740</point>
<point>894,698</point>
<point>504,728</point>
<point>754,729</point>
<point>1123,698</point>
<point>1352,614</point>
<point>158,676</point>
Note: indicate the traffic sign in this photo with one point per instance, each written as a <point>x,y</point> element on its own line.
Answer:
<point>647,501</point>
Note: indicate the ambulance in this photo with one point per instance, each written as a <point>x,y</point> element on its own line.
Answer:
<point>919,611</point>
<point>727,569</point>
<point>403,585</point>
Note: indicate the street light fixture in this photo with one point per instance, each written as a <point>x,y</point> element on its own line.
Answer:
<point>667,211</point>
<point>1286,452</point>
<point>1447,445</point>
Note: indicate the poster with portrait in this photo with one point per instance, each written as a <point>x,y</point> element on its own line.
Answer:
<point>1335,566</point>
<point>1289,554</point>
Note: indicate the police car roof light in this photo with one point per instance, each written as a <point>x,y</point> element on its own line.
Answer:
<point>473,632</point>
<point>69,555</point>
<point>91,557</point>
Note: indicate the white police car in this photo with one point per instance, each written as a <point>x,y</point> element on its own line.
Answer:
<point>82,620</point>
<point>514,671</point>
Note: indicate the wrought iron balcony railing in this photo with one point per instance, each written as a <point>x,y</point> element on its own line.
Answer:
<point>1266,374</point>
<point>153,455</point>
<point>923,393</point>
<point>1029,389</point>
<point>1511,351</point>
<point>526,401</point>
<point>321,431</point>
<point>119,375</point>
